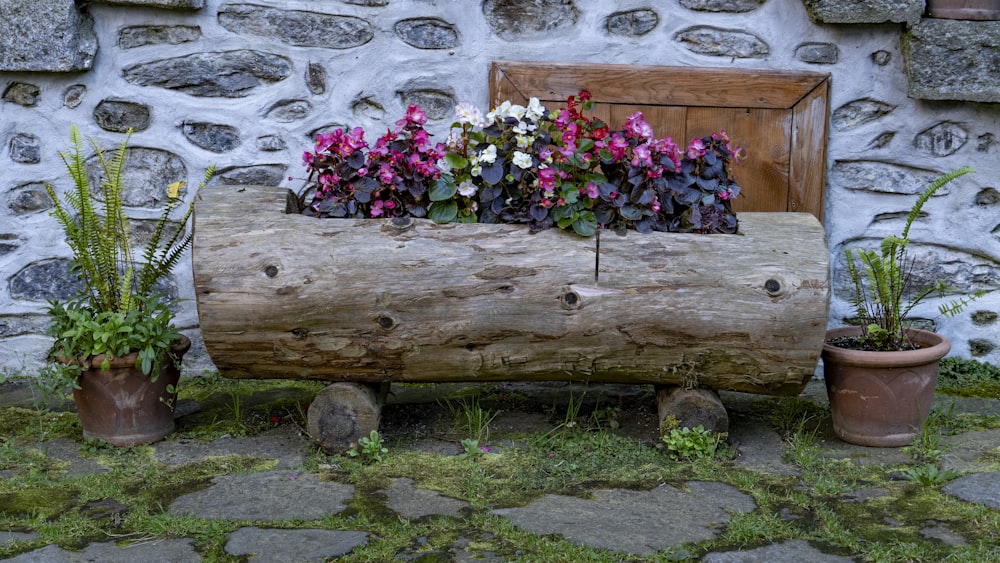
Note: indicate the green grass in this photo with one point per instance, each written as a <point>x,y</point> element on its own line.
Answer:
<point>968,378</point>
<point>563,458</point>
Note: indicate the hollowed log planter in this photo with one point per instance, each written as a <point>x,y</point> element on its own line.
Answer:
<point>375,301</point>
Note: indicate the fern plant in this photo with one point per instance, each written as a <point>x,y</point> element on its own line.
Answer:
<point>118,311</point>
<point>882,279</point>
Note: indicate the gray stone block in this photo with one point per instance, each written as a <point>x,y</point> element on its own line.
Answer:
<point>865,11</point>
<point>26,148</point>
<point>427,33</point>
<point>731,43</point>
<point>953,60</point>
<point>729,6</point>
<point>633,23</point>
<point>50,36</point>
<point>512,19</point>
<point>230,74</point>
<point>818,53</point>
<point>28,198</point>
<point>141,35</point>
<point>119,116</point>
<point>22,94</point>
<point>436,103</point>
<point>212,136</point>
<point>297,27</point>
<point>256,175</point>
<point>173,4</point>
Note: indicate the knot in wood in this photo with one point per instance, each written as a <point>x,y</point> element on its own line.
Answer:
<point>773,287</point>
<point>386,322</point>
<point>271,271</point>
<point>399,224</point>
<point>570,300</point>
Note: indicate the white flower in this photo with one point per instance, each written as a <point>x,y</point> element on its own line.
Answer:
<point>521,160</point>
<point>501,112</point>
<point>517,111</point>
<point>535,109</point>
<point>467,188</point>
<point>523,141</point>
<point>521,128</point>
<point>443,166</point>
<point>465,112</point>
<point>488,155</point>
<point>476,170</point>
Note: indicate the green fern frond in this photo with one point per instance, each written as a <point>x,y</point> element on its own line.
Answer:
<point>934,186</point>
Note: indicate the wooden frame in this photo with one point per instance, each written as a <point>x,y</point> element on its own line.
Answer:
<point>780,117</point>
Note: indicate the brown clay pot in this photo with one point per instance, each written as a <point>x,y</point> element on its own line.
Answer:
<point>124,407</point>
<point>881,399</point>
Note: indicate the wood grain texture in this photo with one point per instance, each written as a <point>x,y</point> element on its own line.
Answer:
<point>287,296</point>
<point>779,117</point>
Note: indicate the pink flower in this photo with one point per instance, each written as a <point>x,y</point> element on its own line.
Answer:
<point>547,179</point>
<point>386,174</point>
<point>641,156</point>
<point>376,210</point>
<point>592,191</point>
<point>696,149</point>
<point>414,115</point>
<point>636,127</point>
<point>617,145</point>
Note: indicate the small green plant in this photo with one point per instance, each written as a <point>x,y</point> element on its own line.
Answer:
<point>606,417</point>
<point>370,449</point>
<point>926,447</point>
<point>691,443</point>
<point>929,475</point>
<point>471,418</point>
<point>472,449</point>
<point>883,278</point>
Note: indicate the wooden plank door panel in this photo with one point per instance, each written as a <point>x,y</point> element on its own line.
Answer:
<point>779,117</point>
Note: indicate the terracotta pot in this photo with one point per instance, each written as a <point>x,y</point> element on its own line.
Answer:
<point>124,407</point>
<point>881,398</point>
<point>964,9</point>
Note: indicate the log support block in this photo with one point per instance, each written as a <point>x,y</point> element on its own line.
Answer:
<point>692,407</point>
<point>343,413</point>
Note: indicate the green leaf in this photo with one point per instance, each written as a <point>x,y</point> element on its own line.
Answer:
<point>585,225</point>
<point>443,211</point>
<point>456,160</point>
<point>442,189</point>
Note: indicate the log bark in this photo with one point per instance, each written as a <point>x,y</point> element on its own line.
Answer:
<point>692,407</point>
<point>343,413</point>
<point>284,295</point>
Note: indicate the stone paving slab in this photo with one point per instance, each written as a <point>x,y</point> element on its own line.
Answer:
<point>8,536</point>
<point>268,545</point>
<point>981,488</point>
<point>266,496</point>
<point>175,551</point>
<point>411,502</point>
<point>644,522</point>
<point>760,448</point>
<point>964,452</point>
<point>286,444</point>
<point>63,449</point>
<point>788,551</point>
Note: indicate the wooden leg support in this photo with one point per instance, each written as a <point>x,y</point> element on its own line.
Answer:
<point>342,413</point>
<point>691,407</point>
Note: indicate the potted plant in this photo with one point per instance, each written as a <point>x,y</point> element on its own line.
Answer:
<point>880,375</point>
<point>115,342</point>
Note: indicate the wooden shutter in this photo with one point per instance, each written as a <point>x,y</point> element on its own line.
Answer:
<point>779,117</point>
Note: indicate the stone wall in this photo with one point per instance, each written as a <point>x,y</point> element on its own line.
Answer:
<point>245,85</point>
